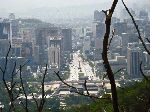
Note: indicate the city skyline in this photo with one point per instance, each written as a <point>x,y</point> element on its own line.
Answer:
<point>44,9</point>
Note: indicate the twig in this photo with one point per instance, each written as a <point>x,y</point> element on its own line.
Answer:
<point>87,95</point>
<point>143,43</point>
<point>10,87</point>
<point>12,76</point>
<point>148,40</point>
<point>105,56</point>
<point>118,71</point>
<point>36,102</point>
<point>113,35</point>
<point>23,88</point>
<point>41,103</point>
<point>22,66</point>
<point>85,86</point>
<point>136,26</point>
<point>145,77</point>
<point>43,91</point>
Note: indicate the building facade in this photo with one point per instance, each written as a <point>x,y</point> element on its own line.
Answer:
<point>133,62</point>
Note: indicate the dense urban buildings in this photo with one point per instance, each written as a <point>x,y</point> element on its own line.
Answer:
<point>75,50</point>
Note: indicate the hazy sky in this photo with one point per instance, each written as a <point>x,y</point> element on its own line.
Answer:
<point>29,4</point>
<point>26,4</point>
<point>23,6</point>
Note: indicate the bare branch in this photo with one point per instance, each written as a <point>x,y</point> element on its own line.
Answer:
<point>12,77</point>
<point>136,26</point>
<point>36,102</point>
<point>145,77</point>
<point>113,35</point>
<point>85,86</point>
<point>118,71</point>
<point>105,12</point>
<point>105,56</point>
<point>22,66</point>
<point>41,103</point>
<point>148,40</point>
<point>22,103</point>
<point>87,95</point>
<point>43,92</point>
<point>23,88</point>
<point>1,69</point>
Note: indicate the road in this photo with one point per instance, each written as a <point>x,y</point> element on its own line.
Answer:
<point>77,63</point>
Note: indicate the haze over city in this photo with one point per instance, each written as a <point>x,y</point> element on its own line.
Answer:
<point>74,56</point>
<point>68,9</point>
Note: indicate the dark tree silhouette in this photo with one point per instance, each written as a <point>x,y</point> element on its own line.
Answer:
<point>41,102</point>
<point>107,66</point>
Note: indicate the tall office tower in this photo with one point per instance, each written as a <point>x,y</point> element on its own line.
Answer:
<point>98,30</point>
<point>41,35</point>
<point>67,39</point>
<point>99,16</point>
<point>5,30</point>
<point>27,50</point>
<point>120,27</point>
<point>5,37</point>
<point>54,52</point>
<point>133,61</point>
<point>98,34</point>
<point>15,28</point>
<point>86,45</point>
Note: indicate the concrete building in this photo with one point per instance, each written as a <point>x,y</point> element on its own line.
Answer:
<point>99,16</point>
<point>54,52</point>
<point>98,30</point>
<point>133,61</point>
<point>27,50</point>
<point>27,34</point>
<point>5,30</point>
<point>4,46</point>
<point>120,27</point>
<point>86,45</point>
<point>67,39</point>
<point>41,35</point>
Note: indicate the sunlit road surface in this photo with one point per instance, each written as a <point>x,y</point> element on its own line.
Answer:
<point>85,68</point>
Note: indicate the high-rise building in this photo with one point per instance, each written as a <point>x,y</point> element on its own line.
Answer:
<point>120,27</point>
<point>133,61</point>
<point>86,45</point>
<point>99,16</point>
<point>67,39</point>
<point>41,35</point>
<point>98,30</point>
<point>54,52</point>
<point>4,46</point>
<point>5,30</point>
<point>27,50</point>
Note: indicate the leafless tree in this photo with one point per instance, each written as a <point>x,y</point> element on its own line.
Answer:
<point>140,38</point>
<point>10,87</point>
<point>109,73</point>
<point>24,91</point>
<point>78,92</point>
<point>106,44</point>
<point>41,102</point>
